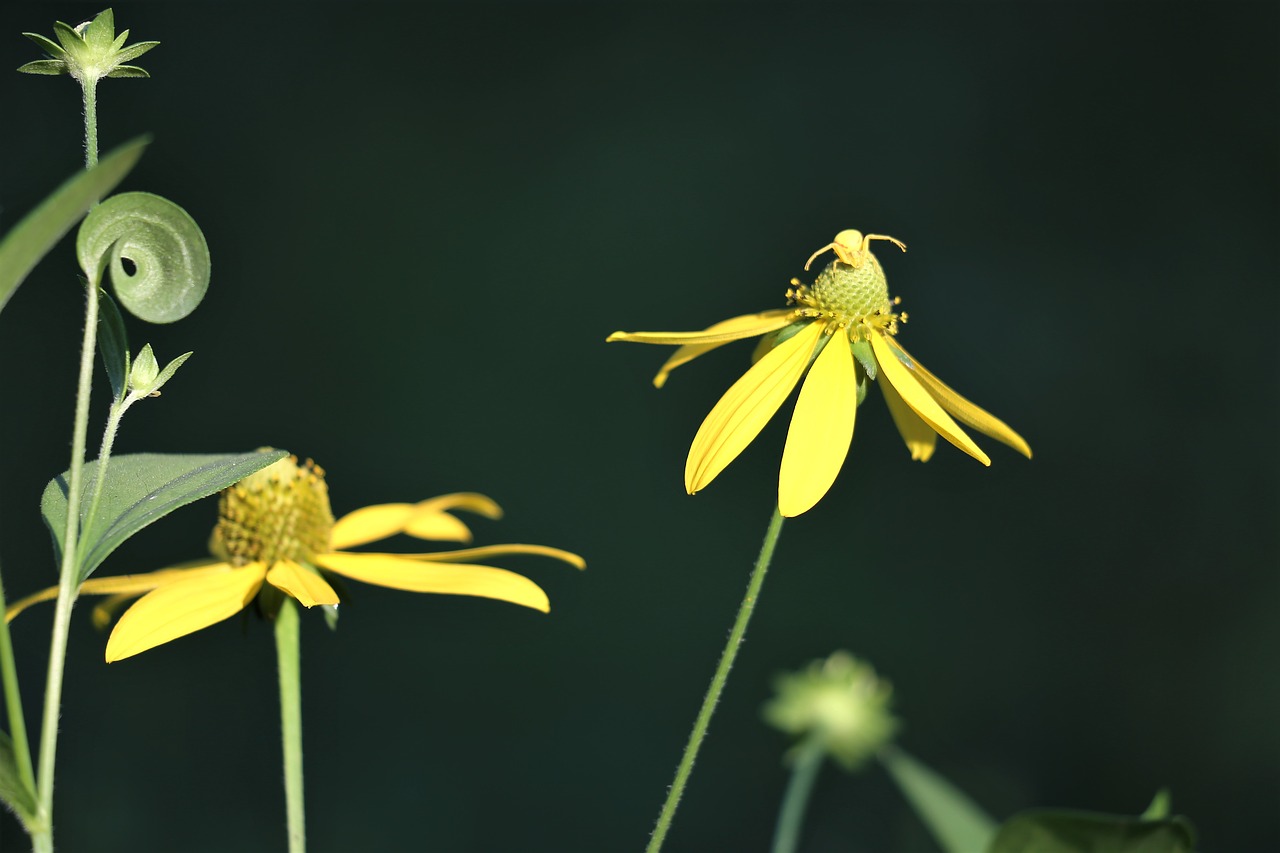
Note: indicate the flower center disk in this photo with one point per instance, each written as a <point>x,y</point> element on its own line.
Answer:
<point>279,513</point>
<point>855,299</point>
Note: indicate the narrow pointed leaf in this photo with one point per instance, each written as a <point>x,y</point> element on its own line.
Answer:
<point>956,822</point>
<point>49,67</point>
<point>13,792</point>
<point>33,237</point>
<point>127,71</point>
<point>113,344</point>
<point>142,488</point>
<point>133,51</point>
<point>1044,831</point>
<point>47,45</point>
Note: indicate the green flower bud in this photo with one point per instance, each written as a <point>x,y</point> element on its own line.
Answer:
<point>88,52</point>
<point>838,700</point>
<point>145,376</point>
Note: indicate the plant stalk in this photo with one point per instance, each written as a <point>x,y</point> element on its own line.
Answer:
<point>716,687</point>
<point>288,657</point>
<point>807,760</point>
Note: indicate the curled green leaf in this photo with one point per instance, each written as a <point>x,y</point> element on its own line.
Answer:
<point>157,255</point>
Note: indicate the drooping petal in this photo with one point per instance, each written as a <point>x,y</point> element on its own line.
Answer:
<point>431,518</point>
<point>688,352</point>
<point>961,409</point>
<point>302,583</point>
<point>470,501</point>
<point>126,585</point>
<point>183,607</point>
<point>399,572</point>
<point>821,429</point>
<point>920,438</point>
<point>767,321</point>
<point>921,402</point>
<point>369,524</point>
<point>490,551</point>
<point>746,407</point>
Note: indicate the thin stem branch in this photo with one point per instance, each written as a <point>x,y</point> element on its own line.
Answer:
<point>118,408</point>
<point>807,762</point>
<point>288,657</point>
<point>717,684</point>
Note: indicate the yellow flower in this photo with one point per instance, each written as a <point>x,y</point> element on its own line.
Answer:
<point>276,527</point>
<point>849,299</point>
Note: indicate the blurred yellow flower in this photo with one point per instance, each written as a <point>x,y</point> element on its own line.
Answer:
<point>849,299</point>
<point>276,527</point>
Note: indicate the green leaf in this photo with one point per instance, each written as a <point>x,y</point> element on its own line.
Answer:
<point>1161,803</point>
<point>113,344</point>
<point>167,252</point>
<point>47,45</point>
<point>50,67</point>
<point>1044,831</point>
<point>127,71</point>
<point>142,488</point>
<point>13,792</point>
<point>33,237</point>
<point>956,822</point>
<point>133,51</point>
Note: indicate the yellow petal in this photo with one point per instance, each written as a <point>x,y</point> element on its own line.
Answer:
<point>302,583</point>
<point>431,519</point>
<point>920,438</point>
<point>490,551</point>
<point>961,409</point>
<point>920,401</point>
<point>689,352</point>
<point>470,501</point>
<point>746,407</point>
<point>765,321</point>
<point>399,572</point>
<point>821,429</point>
<point>370,524</point>
<point>121,584</point>
<point>183,607</point>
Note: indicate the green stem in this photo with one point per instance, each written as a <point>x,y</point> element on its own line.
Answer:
<point>288,655</point>
<point>717,684</point>
<point>90,89</point>
<point>68,580</point>
<point>807,763</point>
<point>118,409</point>
<point>13,703</point>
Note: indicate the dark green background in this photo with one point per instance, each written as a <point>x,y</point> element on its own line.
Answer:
<point>424,221</point>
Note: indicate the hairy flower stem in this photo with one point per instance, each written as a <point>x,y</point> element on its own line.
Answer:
<point>717,684</point>
<point>288,658</point>
<point>68,580</point>
<point>807,761</point>
<point>90,89</point>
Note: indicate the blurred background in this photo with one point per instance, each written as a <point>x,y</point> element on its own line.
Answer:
<point>424,221</point>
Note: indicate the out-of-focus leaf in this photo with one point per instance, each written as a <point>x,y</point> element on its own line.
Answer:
<point>33,237</point>
<point>13,792</point>
<point>956,822</point>
<point>1044,831</point>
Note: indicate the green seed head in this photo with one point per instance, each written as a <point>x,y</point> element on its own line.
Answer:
<point>852,291</point>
